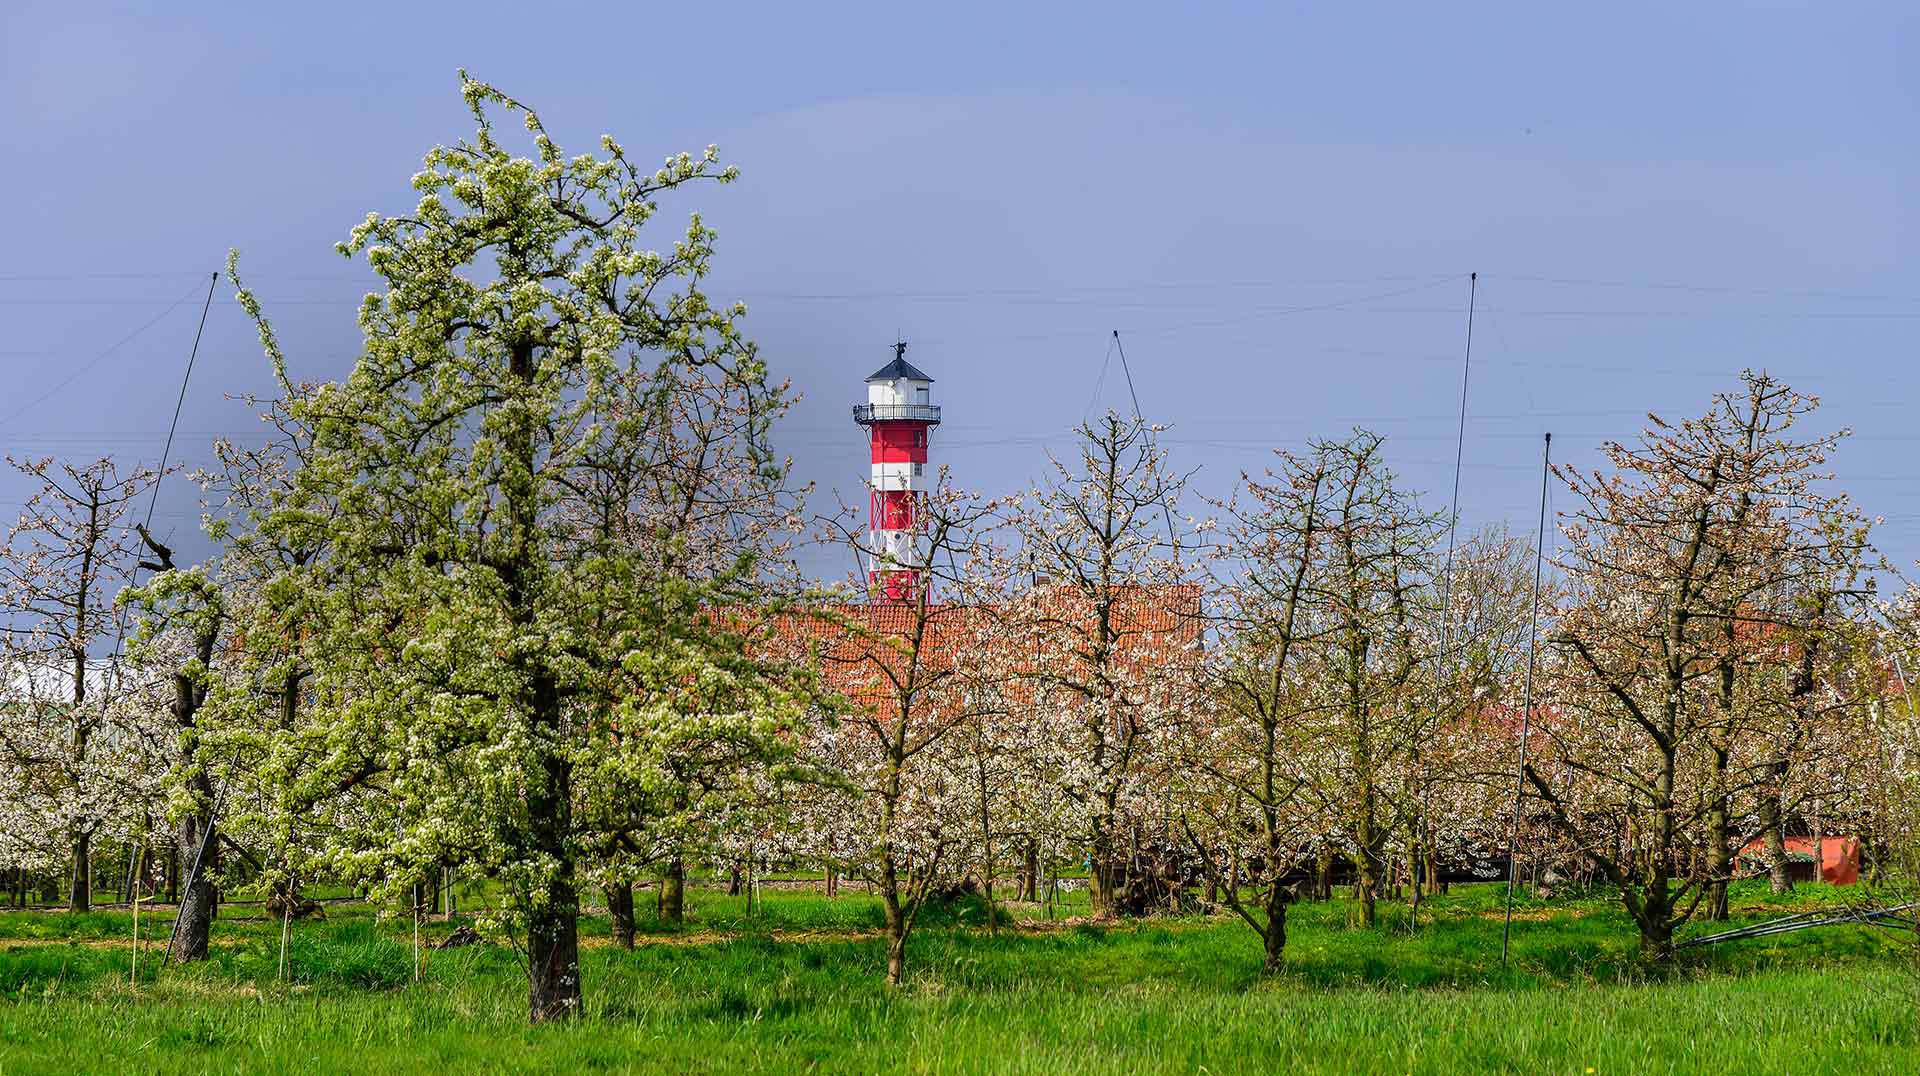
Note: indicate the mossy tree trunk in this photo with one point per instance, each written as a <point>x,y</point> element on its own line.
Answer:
<point>673,891</point>
<point>620,912</point>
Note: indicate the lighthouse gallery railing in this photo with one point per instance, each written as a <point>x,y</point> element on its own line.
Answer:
<point>866,413</point>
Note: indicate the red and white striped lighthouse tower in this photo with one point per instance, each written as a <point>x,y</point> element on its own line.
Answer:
<point>899,414</point>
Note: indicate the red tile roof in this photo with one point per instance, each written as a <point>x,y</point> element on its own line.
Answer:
<point>865,649</point>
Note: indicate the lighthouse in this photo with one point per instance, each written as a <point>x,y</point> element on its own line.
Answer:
<point>899,415</point>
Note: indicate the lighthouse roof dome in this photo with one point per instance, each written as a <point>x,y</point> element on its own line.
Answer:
<point>897,369</point>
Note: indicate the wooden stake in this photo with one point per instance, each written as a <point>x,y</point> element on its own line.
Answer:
<point>286,925</point>
<point>133,969</point>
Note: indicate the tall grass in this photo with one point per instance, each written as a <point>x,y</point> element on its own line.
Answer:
<point>799,987</point>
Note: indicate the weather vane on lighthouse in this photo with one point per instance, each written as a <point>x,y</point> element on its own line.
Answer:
<point>899,415</point>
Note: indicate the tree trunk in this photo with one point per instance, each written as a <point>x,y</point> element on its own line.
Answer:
<point>1367,887</point>
<point>1370,860</point>
<point>553,926</point>
<point>1720,806</point>
<point>1101,902</point>
<point>80,882</point>
<point>199,839</point>
<point>1719,861</point>
<point>194,923</point>
<point>733,881</point>
<point>1323,874</point>
<point>1656,933</point>
<point>1030,873</point>
<point>1105,889</point>
<point>620,913</point>
<point>898,923</point>
<point>1655,914</point>
<point>1719,841</point>
<point>986,844</point>
<point>1779,869</point>
<point>1275,936</point>
<point>553,932</point>
<point>896,956</point>
<point>1099,883</point>
<point>673,891</point>
<point>553,955</point>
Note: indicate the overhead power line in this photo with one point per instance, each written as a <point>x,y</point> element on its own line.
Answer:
<point>1711,289</point>
<point>1053,292</point>
<point>96,360</point>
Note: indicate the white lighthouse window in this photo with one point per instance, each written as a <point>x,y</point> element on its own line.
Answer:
<point>920,394</point>
<point>919,469</point>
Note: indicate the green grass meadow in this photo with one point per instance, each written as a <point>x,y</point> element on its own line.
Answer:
<point>798,987</point>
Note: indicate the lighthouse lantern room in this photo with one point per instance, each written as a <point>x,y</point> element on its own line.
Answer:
<point>899,415</point>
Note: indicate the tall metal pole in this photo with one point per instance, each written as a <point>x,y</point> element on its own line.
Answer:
<point>1446,592</point>
<point>179,402</point>
<point>1459,454</point>
<point>1526,704</point>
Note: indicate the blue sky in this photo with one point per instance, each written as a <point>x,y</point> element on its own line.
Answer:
<point>1276,205</point>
